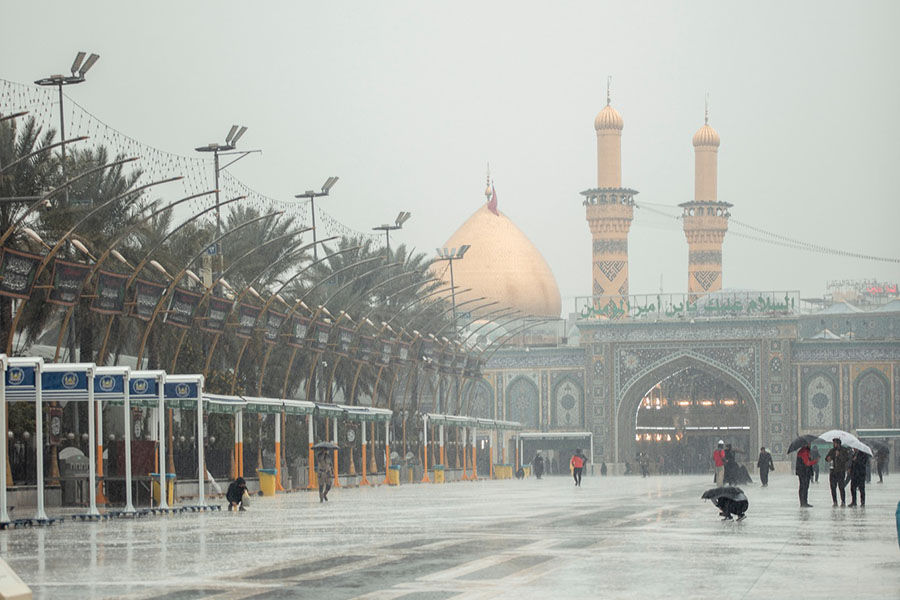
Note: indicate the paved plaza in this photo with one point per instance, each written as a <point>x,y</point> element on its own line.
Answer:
<point>616,537</point>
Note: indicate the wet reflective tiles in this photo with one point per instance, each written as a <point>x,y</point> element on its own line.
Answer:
<point>620,537</point>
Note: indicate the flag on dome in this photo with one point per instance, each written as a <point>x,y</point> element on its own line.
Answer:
<point>492,203</point>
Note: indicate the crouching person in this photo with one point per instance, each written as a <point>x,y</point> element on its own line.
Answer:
<point>235,494</point>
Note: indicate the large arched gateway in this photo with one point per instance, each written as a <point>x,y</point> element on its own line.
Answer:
<point>678,410</point>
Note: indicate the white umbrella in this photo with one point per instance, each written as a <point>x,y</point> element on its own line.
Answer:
<point>847,439</point>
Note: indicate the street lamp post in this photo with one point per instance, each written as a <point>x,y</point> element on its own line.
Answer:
<point>231,140</point>
<point>402,218</point>
<point>80,67</point>
<point>451,254</point>
<point>312,195</point>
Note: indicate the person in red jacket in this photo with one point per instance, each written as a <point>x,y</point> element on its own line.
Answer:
<point>577,463</point>
<point>719,459</point>
<point>804,473</point>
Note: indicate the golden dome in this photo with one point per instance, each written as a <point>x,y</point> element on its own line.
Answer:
<point>608,118</point>
<point>706,136</point>
<point>501,265</point>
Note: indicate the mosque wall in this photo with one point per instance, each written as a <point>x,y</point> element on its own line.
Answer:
<point>544,389</point>
<point>847,384</point>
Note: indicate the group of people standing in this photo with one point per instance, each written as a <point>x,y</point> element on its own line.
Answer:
<point>728,470</point>
<point>846,465</point>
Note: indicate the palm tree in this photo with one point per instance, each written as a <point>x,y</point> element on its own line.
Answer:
<point>30,177</point>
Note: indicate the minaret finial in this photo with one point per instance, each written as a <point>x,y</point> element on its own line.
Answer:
<point>706,110</point>
<point>487,181</point>
<point>608,80</point>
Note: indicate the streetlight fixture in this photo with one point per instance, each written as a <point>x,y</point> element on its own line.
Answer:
<point>231,140</point>
<point>402,218</point>
<point>312,195</point>
<point>80,67</point>
<point>451,254</point>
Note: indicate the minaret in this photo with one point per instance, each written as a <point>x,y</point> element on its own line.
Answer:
<point>705,219</point>
<point>610,210</point>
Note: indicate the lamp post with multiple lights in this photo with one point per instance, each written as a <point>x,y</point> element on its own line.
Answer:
<point>451,254</point>
<point>312,195</point>
<point>80,67</point>
<point>402,218</point>
<point>231,140</point>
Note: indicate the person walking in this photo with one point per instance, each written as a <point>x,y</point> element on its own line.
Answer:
<point>644,460</point>
<point>324,474</point>
<point>538,464</point>
<point>814,454</point>
<point>858,467</point>
<point>577,463</point>
<point>803,468</point>
<point>881,463</point>
<point>765,464</point>
<point>839,457</point>
<point>719,460</point>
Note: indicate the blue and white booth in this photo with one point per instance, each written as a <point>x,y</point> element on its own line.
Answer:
<point>186,392</point>
<point>74,382</point>
<point>4,448</point>
<point>112,385</point>
<point>28,379</point>
<point>22,383</point>
<point>147,388</point>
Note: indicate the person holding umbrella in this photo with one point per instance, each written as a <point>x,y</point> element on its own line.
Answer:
<point>729,500</point>
<point>804,473</point>
<point>324,473</point>
<point>839,457</point>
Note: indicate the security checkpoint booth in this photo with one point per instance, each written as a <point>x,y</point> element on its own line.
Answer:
<point>147,391</point>
<point>331,413</point>
<point>557,448</point>
<point>185,392</point>
<point>361,417</point>
<point>502,461</point>
<point>221,404</point>
<point>111,387</point>
<point>463,426</point>
<point>270,479</point>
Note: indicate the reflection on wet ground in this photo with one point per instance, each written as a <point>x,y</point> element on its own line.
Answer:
<point>614,537</point>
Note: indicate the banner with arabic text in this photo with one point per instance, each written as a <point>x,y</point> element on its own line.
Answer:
<point>247,316</point>
<point>68,279</point>
<point>274,320</point>
<point>217,311</point>
<point>299,328</point>
<point>182,307</point>
<point>17,271</point>
<point>146,296</point>
<point>110,295</point>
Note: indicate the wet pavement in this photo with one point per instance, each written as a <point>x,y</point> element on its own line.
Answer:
<point>616,537</point>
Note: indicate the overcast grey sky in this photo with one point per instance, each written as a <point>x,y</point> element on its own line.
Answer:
<point>407,101</point>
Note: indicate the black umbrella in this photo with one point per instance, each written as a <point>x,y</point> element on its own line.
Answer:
<point>876,445</point>
<point>728,491</point>
<point>326,446</point>
<point>801,441</point>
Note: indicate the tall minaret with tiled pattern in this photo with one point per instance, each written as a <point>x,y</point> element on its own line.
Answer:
<point>705,220</point>
<point>610,210</point>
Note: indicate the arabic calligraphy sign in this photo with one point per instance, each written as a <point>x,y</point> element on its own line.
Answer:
<point>110,294</point>
<point>217,311</point>
<point>721,305</point>
<point>17,271</point>
<point>68,279</point>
